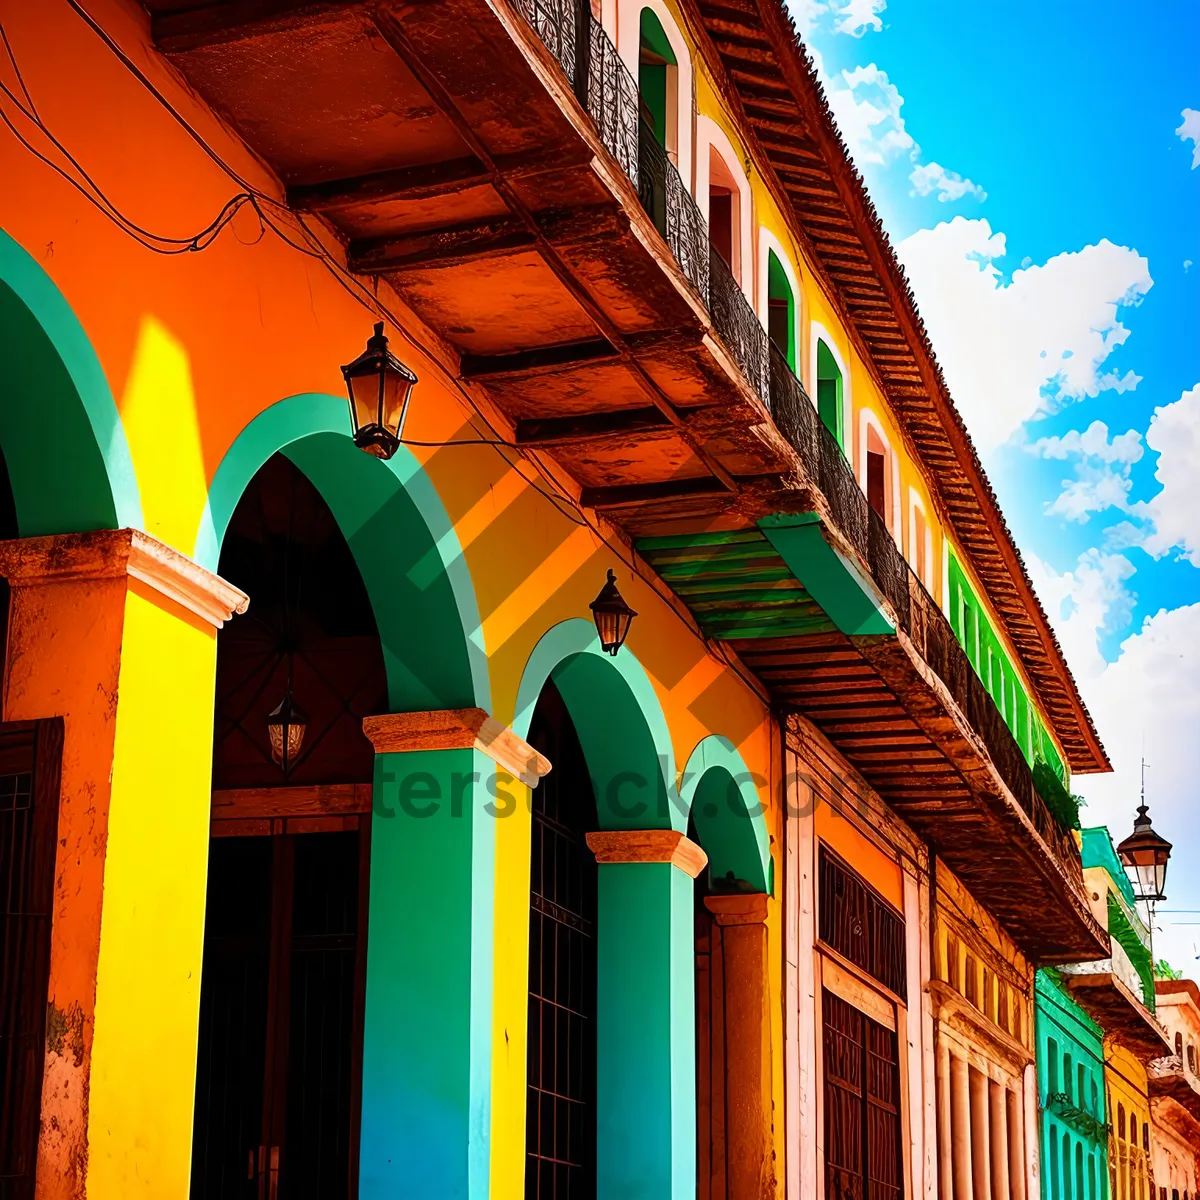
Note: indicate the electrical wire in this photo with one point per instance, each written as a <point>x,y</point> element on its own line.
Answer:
<point>272,215</point>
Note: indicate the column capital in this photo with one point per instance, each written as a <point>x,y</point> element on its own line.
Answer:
<point>648,846</point>
<point>738,908</point>
<point>117,553</point>
<point>457,729</point>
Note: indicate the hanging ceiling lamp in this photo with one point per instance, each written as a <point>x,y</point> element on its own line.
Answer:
<point>380,386</point>
<point>286,727</point>
<point>612,616</point>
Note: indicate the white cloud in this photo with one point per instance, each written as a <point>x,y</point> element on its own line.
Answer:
<point>855,17</point>
<point>949,185</point>
<point>1102,469</point>
<point>1174,513</point>
<point>1189,131</point>
<point>866,106</point>
<point>1014,351</point>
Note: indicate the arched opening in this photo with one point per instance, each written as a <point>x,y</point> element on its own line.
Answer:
<point>781,310</point>
<point>877,474</point>
<point>920,539</point>
<point>563,909</point>
<point>658,82</point>
<point>420,1096</point>
<point>829,392</point>
<point>643,942</point>
<point>281,1029</point>
<point>724,212</point>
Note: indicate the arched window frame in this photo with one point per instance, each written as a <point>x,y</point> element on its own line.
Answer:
<point>769,244</point>
<point>712,139</point>
<point>917,505</point>
<point>868,422</point>
<point>817,333</point>
<point>680,115</point>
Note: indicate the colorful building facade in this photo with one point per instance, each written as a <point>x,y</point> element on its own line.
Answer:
<point>1174,1084</point>
<point>350,860</point>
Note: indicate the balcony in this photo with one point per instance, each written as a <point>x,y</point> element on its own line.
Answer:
<point>1166,1077</point>
<point>487,161</point>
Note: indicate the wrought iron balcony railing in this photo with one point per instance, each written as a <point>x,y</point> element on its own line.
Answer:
<point>608,90</point>
<point>917,613</point>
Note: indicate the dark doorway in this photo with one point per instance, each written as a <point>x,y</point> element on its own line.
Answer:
<point>279,1071</point>
<point>561,1096</point>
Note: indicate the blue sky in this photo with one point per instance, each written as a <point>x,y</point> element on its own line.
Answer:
<point>1038,170</point>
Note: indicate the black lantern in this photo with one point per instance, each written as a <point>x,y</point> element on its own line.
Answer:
<point>286,727</point>
<point>1146,854</point>
<point>612,616</point>
<point>380,386</point>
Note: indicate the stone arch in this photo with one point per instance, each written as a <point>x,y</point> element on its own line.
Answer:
<point>68,460</point>
<point>719,792</point>
<point>399,533</point>
<point>619,721</point>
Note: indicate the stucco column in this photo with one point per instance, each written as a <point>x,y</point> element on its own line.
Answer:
<point>116,633</point>
<point>1016,1143</point>
<point>981,1141</point>
<point>442,779</point>
<point>997,1098</point>
<point>749,1170</point>
<point>945,1140</point>
<point>646,1021</point>
<point>960,1126</point>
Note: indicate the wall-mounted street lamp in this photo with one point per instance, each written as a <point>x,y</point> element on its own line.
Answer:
<point>612,616</point>
<point>1146,855</point>
<point>286,727</point>
<point>380,386</point>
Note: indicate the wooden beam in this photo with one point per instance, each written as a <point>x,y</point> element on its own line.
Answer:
<point>545,432</point>
<point>632,495</point>
<point>542,361</point>
<point>424,182</point>
<point>216,24</point>
<point>496,238</point>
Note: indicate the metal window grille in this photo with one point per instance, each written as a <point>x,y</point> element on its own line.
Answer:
<point>859,924</point>
<point>30,759</point>
<point>561,1094</point>
<point>862,1105</point>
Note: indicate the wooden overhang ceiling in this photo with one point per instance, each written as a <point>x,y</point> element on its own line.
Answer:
<point>441,143</point>
<point>1107,999</point>
<point>446,149</point>
<point>773,83</point>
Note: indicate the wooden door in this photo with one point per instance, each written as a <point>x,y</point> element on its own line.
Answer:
<point>30,760</point>
<point>279,1070</point>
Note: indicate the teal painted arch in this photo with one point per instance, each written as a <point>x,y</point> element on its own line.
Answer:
<point>619,721</point>
<point>719,791</point>
<point>67,456</point>
<point>401,537</point>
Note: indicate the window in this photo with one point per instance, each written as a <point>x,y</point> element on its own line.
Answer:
<point>658,81</point>
<point>561,1063</point>
<point>920,541</point>
<point>862,1105</point>
<point>1191,1057</point>
<point>829,392</point>
<point>781,310</point>
<point>1051,1066</point>
<point>1179,1045</point>
<point>859,924</point>
<point>877,469</point>
<point>724,212</point>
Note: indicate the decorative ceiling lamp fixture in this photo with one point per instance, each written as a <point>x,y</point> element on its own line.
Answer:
<point>380,386</point>
<point>286,727</point>
<point>612,616</point>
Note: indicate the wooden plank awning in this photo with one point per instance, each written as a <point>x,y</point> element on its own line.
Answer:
<point>774,84</point>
